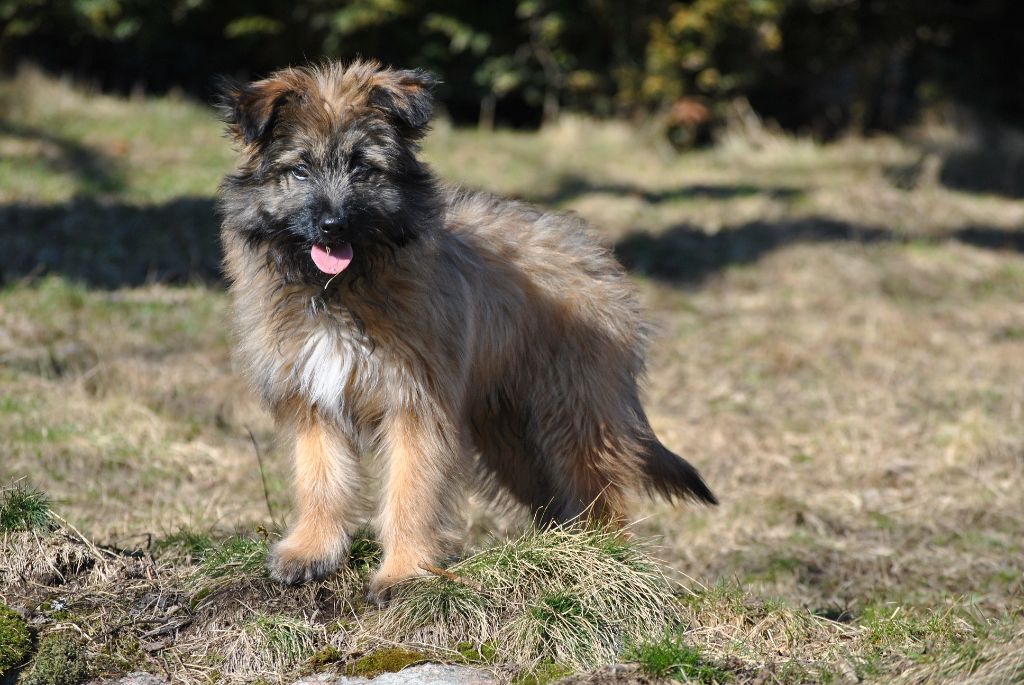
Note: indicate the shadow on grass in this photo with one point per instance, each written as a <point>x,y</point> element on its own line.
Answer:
<point>109,244</point>
<point>991,238</point>
<point>993,163</point>
<point>686,255</point>
<point>572,187</point>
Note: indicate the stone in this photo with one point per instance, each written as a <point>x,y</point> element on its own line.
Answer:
<point>424,674</point>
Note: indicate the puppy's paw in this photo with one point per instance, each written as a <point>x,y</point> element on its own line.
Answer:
<point>386,579</point>
<point>378,596</point>
<point>292,563</point>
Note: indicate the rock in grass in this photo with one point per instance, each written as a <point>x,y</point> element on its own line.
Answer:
<point>424,674</point>
<point>15,640</point>
<point>58,661</point>
<point>136,678</point>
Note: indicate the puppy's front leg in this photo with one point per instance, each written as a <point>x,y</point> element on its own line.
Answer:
<point>326,482</point>
<point>414,522</point>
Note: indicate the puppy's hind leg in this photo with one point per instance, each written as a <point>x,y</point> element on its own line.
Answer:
<point>591,484</point>
<point>584,455</point>
<point>509,463</point>
<point>326,483</point>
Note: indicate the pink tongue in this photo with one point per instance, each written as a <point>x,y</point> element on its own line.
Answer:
<point>333,262</point>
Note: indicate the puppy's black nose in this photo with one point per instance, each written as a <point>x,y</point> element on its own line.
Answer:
<point>332,224</point>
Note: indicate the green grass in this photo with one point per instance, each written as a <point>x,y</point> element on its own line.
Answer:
<point>23,507</point>
<point>186,543</point>
<point>238,556</point>
<point>564,627</point>
<point>916,635</point>
<point>670,657</point>
<point>364,552</point>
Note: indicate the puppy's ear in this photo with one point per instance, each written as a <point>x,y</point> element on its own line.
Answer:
<point>405,97</point>
<point>250,109</point>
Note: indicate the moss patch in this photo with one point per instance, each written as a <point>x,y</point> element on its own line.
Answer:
<point>545,672</point>
<point>389,660</point>
<point>473,653</point>
<point>15,640</point>
<point>327,655</point>
<point>58,661</point>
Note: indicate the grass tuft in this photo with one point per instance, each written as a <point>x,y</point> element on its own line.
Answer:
<point>566,628</point>
<point>572,595</point>
<point>364,553</point>
<point>23,507</point>
<point>269,645</point>
<point>670,657</point>
<point>238,556</point>
<point>184,544</point>
<point>906,634</point>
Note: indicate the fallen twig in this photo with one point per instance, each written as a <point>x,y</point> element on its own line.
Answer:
<point>445,573</point>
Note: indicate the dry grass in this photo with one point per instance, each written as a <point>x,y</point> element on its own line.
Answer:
<point>577,598</point>
<point>573,597</point>
<point>130,610</point>
<point>840,348</point>
<point>999,662</point>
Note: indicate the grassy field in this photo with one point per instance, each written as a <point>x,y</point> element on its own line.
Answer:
<point>840,350</point>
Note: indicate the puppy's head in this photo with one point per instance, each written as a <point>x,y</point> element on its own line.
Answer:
<point>328,180</point>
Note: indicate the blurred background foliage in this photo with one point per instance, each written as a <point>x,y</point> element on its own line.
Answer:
<point>824,67</point>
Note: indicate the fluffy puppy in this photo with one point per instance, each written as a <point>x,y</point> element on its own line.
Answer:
<point>462,337</point>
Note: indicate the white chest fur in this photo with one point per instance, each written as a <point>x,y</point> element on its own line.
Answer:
<point>325,365</point>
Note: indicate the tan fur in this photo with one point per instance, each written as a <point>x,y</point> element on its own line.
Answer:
<point>503,347</point>
<point>327,485</point>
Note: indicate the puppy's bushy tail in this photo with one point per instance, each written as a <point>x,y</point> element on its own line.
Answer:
<point>667,474</point>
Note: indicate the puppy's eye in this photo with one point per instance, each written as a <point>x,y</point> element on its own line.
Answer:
<point>359,168</point>
<point>300,172</point>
